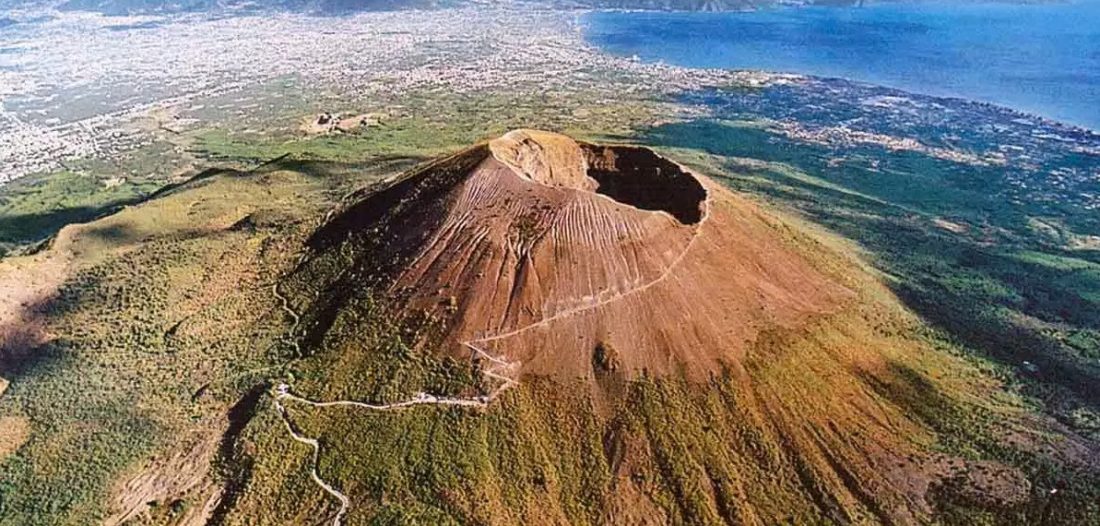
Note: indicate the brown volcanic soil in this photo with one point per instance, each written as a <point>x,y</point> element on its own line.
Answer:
<point>541,249</point>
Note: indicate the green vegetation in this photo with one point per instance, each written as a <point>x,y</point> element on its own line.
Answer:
<point>35,207</point>
<point>162,323</point>
<point>423,126</point>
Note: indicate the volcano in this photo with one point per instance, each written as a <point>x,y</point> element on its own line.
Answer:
<point>648,347</point>
<point>554,255</point>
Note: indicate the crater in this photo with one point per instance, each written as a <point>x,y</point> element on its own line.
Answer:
<point>641,178</point>
<point>631,175</point>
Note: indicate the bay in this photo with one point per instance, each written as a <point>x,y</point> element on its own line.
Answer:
<point>1038,58</point>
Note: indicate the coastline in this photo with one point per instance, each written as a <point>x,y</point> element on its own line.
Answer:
<point>953,99</point>
<point>773,41</point>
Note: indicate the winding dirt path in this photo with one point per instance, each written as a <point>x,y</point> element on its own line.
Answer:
<point>496,370</point>
<point>345,502</point>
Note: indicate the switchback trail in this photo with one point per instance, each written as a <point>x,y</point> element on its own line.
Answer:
<point>497,369</point>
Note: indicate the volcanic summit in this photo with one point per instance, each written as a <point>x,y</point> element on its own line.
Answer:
<point>553,254</point>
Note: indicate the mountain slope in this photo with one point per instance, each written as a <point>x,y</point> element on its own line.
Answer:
<point>542,331</point>
<point>546,244</point>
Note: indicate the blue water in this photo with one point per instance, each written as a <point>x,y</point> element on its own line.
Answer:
<point>1042,59</point>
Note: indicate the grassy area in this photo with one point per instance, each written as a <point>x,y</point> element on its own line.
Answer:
<point>426,125</point>
<point>35,207</point>
<point>162,323</point>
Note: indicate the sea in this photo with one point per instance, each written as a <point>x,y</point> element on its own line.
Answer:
<point>1041,58</point>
